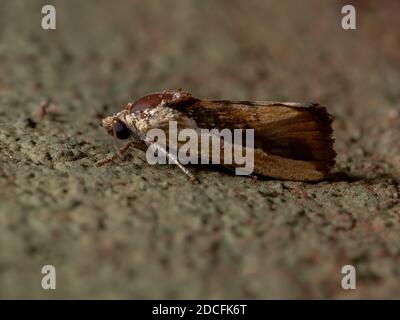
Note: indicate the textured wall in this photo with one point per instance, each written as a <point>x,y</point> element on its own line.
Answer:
<point>131,230</point>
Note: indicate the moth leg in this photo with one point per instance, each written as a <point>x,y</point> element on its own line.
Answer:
<point>148,141</point>
<point>117,155</point>
<point>174,160</point>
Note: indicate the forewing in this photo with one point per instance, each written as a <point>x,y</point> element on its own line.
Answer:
<point>292,141</point>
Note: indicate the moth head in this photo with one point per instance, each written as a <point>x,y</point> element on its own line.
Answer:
<point>116,127</point>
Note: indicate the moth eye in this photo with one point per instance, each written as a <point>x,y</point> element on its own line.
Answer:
<point>121,130</point>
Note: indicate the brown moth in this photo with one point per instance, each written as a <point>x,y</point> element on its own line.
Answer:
<point>292,141</point>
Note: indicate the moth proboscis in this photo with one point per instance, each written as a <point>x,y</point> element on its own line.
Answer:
<point>292,141</point>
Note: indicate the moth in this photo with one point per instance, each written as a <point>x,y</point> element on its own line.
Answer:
<point>292,141</point>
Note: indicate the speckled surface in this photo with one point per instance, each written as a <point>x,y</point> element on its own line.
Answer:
<point>131,230</point>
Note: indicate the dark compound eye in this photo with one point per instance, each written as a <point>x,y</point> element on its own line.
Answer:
<point>121,131</point>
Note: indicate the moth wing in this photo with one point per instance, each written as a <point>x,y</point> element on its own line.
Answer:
<point>291,141</point>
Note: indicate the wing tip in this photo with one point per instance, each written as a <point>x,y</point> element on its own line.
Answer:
<point>325,120</point>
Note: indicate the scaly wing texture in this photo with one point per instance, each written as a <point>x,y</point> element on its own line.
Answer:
<point>292,141</point>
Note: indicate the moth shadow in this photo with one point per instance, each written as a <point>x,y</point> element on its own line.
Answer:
<point>340,176</point>
<point>211,168</point>
<point>346,177</point>
<point>200,168</point>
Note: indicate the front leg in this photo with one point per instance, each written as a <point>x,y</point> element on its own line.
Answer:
<point>175,160</point>
<point>117,155</point>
